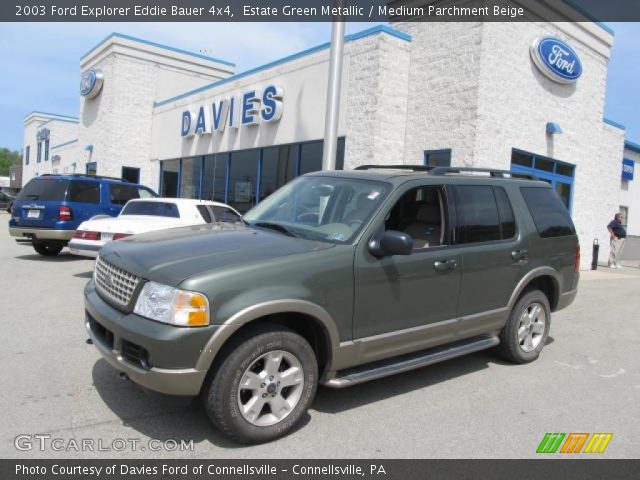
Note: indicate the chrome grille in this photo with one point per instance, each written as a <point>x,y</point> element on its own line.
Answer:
<point>114,282</point>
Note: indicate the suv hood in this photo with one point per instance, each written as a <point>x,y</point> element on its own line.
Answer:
<point>171,256</point>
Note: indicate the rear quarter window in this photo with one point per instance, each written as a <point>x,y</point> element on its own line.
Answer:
<point>44,189</point>
<point>550,215</point>
<point>204,213</point>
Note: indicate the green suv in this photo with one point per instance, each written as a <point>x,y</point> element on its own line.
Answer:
<point>335,279</point>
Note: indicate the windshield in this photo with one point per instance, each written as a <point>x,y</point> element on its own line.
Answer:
<point>330,209</point>
<point>156,209</point>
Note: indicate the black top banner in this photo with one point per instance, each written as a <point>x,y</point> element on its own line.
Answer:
<point>317,10</point>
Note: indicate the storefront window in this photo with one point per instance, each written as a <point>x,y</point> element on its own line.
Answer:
<point>437,158</point>
<point>278,168</point>
<point>190,177</point>
<point>169,178</point>
<point>311,157</point>
<point>214,180</point>
<point>243,179</point>
<point>233,177</point>
<point>131,174</point>
<point>557,174</point>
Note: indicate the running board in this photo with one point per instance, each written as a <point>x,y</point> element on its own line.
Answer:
<point>404,363</point>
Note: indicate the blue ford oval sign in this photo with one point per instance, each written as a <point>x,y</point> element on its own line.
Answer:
<point>91,83</point>
<point>557,60</point>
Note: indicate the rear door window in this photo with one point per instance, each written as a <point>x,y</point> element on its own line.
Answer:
<point>226,215</point>
<point>549,213</point>
<point>84,192</point>
<point>44,189</point>
<point>477,213</point>
<point>121,194</point>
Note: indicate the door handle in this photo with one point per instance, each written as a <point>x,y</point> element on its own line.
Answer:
<point>520,255</point>
<point>444,265</point>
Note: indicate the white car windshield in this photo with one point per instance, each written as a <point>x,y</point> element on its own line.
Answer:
<point>156,209</point>
<point>331,209</point>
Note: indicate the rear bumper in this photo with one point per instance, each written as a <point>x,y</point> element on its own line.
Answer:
<point>84,249</point>
<point>41,233</point>
<point>566,299</point>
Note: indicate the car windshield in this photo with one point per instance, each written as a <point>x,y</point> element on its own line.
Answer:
<point>331,209</point>
<point>156,209</point>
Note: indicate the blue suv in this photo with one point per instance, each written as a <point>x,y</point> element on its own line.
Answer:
<point>49,208</point>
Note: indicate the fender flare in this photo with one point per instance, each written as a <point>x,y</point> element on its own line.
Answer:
<point>532,275</point>
<point>254,312</point>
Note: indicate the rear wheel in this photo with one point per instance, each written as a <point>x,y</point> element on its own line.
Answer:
<point>48,249</point>
<point>525,334</point>
<point>263,387</point>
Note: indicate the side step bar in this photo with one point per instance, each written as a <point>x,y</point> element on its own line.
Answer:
<point>412,361</point>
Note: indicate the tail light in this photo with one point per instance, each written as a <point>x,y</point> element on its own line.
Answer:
<point>65,213</point>
<point>576,262</point>
<point>85,235</point>
<point>118,236</point>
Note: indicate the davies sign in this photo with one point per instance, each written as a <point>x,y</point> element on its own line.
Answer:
<point>557,60</point>
<point>250,108</point>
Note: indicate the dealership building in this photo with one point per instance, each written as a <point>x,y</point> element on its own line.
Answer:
<point>523,96</point>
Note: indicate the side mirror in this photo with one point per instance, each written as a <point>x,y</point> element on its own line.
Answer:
<point>391,243</point>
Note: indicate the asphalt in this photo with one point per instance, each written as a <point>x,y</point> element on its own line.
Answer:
<point>586,380</point>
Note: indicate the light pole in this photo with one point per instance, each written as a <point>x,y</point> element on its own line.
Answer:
<point>332,111</point>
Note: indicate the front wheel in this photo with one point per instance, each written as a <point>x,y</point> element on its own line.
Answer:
<point>263,387</point>
<point>48,249</point>
<point>525,334</point>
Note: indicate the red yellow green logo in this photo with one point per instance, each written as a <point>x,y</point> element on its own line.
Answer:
<point>574,443</point>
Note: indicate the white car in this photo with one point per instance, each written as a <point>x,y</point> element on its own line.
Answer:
<point>147,215</point>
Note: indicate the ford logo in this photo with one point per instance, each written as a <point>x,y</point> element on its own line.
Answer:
<point>91,83</point>
<point>557,60</point>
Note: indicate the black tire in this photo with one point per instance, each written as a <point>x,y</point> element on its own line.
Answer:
<point>48,249</point>
<point>223,397</point>
<point>511,348</point>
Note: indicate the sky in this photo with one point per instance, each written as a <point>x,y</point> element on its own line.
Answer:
<point>41,68</point>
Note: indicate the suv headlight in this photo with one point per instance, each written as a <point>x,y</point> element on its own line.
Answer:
<point>173,306</point>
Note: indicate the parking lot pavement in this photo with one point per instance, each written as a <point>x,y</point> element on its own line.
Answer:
<point>587,380</point>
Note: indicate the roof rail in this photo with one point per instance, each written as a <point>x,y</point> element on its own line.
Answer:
<point>438,171</point>
<point>413,168</point>
<point>83,175</point>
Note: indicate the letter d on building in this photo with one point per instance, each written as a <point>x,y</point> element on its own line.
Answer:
<point>187,129</point>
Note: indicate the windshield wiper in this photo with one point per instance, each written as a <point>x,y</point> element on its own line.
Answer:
<point>275,226</point>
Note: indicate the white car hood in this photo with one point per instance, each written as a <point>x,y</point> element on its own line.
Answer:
<point>132,224</point>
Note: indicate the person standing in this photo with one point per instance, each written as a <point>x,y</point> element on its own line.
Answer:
<point>618,236</point>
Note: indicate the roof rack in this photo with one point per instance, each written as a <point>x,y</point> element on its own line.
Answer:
<point>83,175</point>
<point>413,168</point>
<point>438,171</point>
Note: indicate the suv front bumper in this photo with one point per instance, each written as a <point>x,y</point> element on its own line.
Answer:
<point>120,337</point>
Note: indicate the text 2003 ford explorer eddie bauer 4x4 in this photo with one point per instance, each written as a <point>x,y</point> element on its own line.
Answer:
<point>337,278</point>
